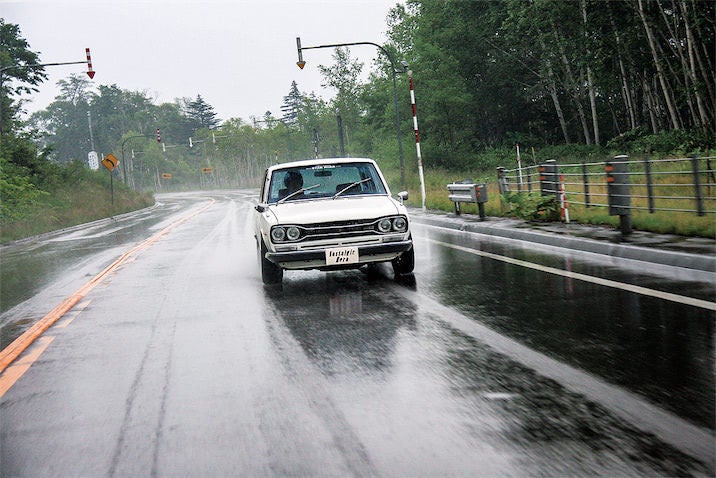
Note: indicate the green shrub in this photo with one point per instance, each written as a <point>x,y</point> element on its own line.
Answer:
<point>18,195</point>
<point>532,206</point>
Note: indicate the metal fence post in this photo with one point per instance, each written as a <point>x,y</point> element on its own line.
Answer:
<point>529,181</point>
<point>649,184</point>
<point>549,178</point>
<point>585,179</point>
<point>697,187</point>
<point>617,173</point>
<point>502,181</point>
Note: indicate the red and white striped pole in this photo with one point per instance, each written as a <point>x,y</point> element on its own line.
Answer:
<point>519,165</point>
<point>563,207</point>
<point>417,137</point>
<point>90,71</point>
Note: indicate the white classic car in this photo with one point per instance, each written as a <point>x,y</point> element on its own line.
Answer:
<point>330,214</point>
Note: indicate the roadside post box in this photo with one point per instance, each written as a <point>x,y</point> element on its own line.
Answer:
<point>481,199</point>
<point>467,191</point>
<point>480,193</point>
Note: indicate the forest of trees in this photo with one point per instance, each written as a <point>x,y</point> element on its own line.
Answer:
<point>559,72</point>
<point>584,75</point>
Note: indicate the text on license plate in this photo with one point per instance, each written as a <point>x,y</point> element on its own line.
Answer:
<point>341,255</point>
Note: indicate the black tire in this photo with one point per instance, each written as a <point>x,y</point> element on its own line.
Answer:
<point>270,273</point>
<point>405,263</point>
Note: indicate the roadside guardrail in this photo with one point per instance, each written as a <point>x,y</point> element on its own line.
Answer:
<point>685,185</point>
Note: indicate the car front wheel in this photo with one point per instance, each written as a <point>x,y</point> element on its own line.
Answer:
<point>270,272</point>
<point>405,263</point>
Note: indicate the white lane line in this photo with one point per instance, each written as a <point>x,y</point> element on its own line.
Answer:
<point>704,304</point>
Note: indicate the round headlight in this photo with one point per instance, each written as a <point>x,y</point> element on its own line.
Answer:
<point>400,224</point>
<point>278,234</point>
<point>293,233</point>
<point>384,225</point>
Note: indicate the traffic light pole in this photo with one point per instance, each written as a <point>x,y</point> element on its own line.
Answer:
<point>302,63</point>
<point>88,62</point>
<point>124,167</point>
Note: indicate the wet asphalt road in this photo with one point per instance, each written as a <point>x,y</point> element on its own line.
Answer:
<point>180,363</point>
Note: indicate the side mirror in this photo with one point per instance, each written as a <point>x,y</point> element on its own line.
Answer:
<point>403,196</point>
<point>260,208</point>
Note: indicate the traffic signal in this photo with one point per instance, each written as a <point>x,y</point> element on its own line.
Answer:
<point>159,136</point>
<point>90,71</point>
<point>300,61</point>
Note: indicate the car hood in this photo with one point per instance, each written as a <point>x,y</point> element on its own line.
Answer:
<point>340,209</point>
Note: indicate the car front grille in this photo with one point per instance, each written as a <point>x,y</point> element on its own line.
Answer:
<point>339,230</point>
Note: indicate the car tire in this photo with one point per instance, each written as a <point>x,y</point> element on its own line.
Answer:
<point>405,263</point>
<point>270,273</point>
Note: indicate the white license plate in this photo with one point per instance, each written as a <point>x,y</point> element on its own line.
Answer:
<point>341,255</point>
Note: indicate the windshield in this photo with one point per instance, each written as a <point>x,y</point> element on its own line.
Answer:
<point>324,181</point>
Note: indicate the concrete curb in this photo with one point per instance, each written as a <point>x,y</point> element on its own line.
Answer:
<point>699,262</point>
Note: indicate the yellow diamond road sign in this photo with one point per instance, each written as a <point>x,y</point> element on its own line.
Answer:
<point>110,161</point>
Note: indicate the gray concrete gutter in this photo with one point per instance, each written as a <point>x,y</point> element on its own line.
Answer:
<point>670,250</point>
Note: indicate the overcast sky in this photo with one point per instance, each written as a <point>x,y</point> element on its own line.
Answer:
<point>240,55</point>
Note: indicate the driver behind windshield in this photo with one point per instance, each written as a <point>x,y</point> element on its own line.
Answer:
<point>293,181</point>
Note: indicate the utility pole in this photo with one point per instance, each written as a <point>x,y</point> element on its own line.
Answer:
<point>340,134</point>
<point>92,158</point>
<point>89,120</point>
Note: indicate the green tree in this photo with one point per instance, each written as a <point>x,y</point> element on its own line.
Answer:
<point>343,76</point>
<point>16,77</point>
<point>547,71</point>
<point>291,105</point>
<point>201,114</point>
<point>64,123</point>
<point>22,168</point>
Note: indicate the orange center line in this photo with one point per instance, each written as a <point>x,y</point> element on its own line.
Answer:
<point>18,369</point>
<point>10,353</point>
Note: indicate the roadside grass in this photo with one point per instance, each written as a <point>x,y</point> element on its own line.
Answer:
<point>673,195</point>
<point>69,205</point>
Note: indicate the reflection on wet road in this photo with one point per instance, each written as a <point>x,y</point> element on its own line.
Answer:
<point>438,389</point>
<point>658,348</point>
<point>184,364</point>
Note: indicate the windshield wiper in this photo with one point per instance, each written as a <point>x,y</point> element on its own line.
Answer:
<point>297,192</point>
<point>351,186</point>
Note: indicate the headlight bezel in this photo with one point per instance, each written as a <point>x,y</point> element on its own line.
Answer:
<point>278,234</point>
<point>293,233</point>
<point>384,225</point>
<point>285,233</point>
<point>400,224</point>
<point>392,225</point>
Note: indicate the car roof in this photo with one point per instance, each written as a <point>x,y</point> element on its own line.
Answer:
<point>316,162</point>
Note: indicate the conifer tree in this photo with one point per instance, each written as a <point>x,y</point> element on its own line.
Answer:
<point>201,113</point>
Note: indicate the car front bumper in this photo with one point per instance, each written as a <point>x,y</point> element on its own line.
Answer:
<point>316,258</point>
